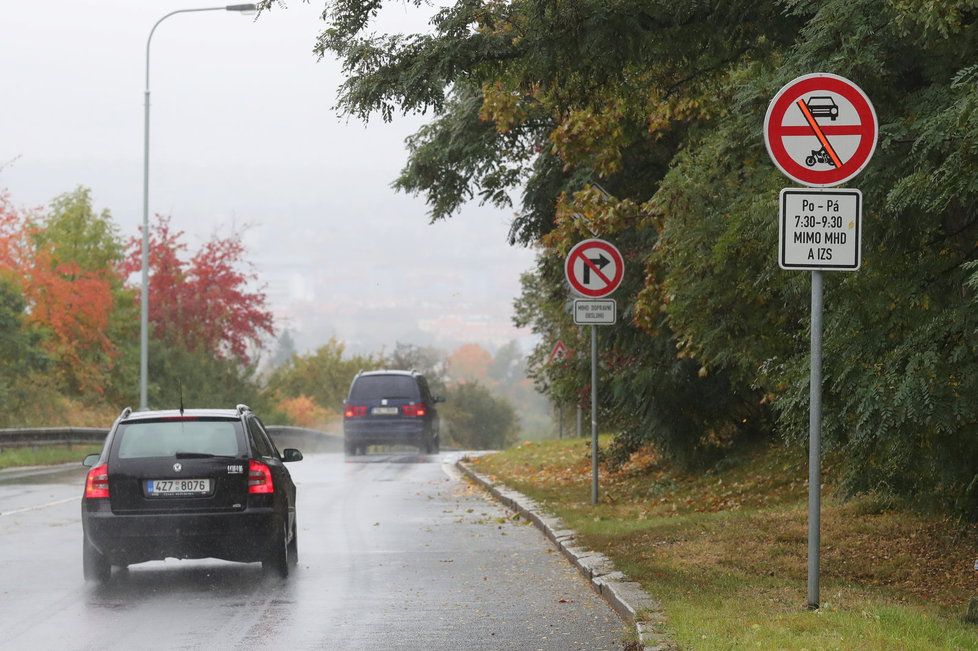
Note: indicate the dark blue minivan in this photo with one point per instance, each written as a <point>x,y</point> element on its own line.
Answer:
<point>390,408</point>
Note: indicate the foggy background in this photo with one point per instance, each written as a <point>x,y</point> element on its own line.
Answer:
<point>243,133</point>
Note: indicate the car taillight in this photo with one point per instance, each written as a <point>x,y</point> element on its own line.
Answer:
<point>413,410</point>
<point>259,478</point>
<point>97,482</point>
<point>355,411</point>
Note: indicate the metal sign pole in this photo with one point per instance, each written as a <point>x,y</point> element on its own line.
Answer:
<point>560,421</point>
<point>580,418</point>
<point>594,414</point>
<point>814,441</point>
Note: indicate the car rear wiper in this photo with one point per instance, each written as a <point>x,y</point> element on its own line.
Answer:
<point>197,455</point>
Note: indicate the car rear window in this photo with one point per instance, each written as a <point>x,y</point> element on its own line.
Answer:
<point>140,440</point>
<point>378,387</point>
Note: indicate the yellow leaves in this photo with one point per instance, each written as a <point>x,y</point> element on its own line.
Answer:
<point>591,213</point>
<point>502,106</point>
<point>591,138</point>
<point>665,111</point>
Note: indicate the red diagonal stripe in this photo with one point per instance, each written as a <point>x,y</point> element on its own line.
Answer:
<point>818,132</point>
<point>594,268</point>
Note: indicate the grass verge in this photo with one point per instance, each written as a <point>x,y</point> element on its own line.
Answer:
<point>725,551</point>
<point>45,455</point>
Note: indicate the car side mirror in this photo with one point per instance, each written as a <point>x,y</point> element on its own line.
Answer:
<point>291,454</point>
<point>91,460</point>
<point>439,398</point>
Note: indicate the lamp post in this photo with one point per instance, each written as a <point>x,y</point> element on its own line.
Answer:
<point>144,300</point>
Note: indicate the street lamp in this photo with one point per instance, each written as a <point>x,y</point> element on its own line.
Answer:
<point>144,302</point>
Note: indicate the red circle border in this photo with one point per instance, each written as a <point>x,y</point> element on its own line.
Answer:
<point>786,97</point>
<point>608,248</point>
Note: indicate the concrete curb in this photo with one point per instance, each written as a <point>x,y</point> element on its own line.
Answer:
<point>627,598</point>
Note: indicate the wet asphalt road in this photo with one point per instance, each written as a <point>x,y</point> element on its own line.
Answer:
<point>395,552</point>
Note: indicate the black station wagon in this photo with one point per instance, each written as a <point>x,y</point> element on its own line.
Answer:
<point>193,483</point>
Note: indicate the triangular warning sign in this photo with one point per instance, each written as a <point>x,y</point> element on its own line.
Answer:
<point>559,353</point>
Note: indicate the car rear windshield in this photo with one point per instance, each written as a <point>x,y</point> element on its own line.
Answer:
<point>145,439</point>
<point>378,387</point>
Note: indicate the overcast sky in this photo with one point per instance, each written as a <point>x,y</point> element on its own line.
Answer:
<point>243,132</point>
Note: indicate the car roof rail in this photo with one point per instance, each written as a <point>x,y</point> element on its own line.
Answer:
<point>242,408</point>
<point>125,413</point>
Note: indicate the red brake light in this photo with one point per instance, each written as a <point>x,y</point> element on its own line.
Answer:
<point>259,478</point>
<point>355,411</point>
<point>97,482</point>
<point>413,410</point>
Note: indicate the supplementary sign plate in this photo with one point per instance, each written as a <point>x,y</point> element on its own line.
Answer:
<point>594,268</point>
<point>820,130</point>
<point>595,311</point>
<point>820,229</point>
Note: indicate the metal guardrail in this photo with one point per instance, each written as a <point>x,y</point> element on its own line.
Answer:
<point>36,436</point>
<point>39,436</point>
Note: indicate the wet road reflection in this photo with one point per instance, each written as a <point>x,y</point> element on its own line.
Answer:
<point>394,553</point>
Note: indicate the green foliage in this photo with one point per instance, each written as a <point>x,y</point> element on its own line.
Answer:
<point>478,420</point>
<point>75,233</point>
<point>20,351</point>
<point>662,103</point>
<point>427,360</point>
<point>204,381</point>
<point>324,375</point>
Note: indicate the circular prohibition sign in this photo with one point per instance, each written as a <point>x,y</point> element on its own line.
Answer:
<point>820,130</point>
<point>594,268</point>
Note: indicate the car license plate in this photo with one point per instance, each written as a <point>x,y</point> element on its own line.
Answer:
<point>384,411</point>
<point>178,487</point>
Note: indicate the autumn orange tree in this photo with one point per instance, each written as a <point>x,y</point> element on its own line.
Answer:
<point>469,363</point>
<point>63,261</point>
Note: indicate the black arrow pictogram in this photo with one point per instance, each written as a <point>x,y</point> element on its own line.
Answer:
<point>599,263</point>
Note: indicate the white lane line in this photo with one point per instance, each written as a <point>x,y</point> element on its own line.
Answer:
<point>40,506</point>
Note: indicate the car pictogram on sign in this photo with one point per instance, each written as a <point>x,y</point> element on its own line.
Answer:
<point>594,268</point>
<point>820,130</point>
<point>823,106</point>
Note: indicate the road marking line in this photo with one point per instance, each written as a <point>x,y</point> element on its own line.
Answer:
<point>40,506</point>
<point>594,268</point>
<point>818,132</point>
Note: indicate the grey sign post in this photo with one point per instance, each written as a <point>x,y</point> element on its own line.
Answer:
<point>819,229</point>
<point>595,312</point>
<point>815,442</point>
<point>594,414</point>
<point>594,269</point>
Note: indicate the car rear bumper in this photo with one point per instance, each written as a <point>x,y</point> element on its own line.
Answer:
<point>385,432</point>
<point>244,536</point>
